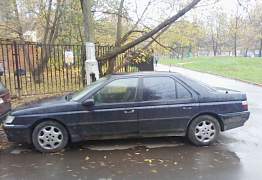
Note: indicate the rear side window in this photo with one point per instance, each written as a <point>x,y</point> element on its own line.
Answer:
<point>158,88</point>
<point>182,92</point>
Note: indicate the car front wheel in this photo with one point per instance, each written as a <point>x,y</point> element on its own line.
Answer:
<point>203,130</point>
<point>49,136</point>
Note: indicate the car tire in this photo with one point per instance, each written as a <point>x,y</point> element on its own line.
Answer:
<point>49,136</point>
<point>203,130</point>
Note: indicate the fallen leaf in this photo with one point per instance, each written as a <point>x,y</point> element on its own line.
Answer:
<point>87,158</point>
<point>154,171</point>
<point>102,164</point>
<point>83,167</point>
<point>149,160</point>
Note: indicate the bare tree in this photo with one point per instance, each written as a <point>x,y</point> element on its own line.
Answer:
<point>50,35</point>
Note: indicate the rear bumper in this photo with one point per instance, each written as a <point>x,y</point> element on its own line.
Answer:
<point>234,120</point>
<point>18,133</point>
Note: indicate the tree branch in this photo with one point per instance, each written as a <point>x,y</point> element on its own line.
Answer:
<point>118,50</point>
<point>125,37</point>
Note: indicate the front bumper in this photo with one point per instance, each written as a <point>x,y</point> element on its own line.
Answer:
<point>3,116</point>
<point>18,133</point>
<point>234,120</point>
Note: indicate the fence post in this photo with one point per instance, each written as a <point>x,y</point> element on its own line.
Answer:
<point>91,65</point>
<point>17,71</point>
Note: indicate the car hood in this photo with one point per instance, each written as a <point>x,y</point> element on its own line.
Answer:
<point>47,105</point>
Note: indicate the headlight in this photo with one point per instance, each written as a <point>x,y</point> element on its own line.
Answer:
<point>9,119</point>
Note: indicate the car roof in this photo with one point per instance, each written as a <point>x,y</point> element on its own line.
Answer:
<point>144,73</point>
<point>198,87</point>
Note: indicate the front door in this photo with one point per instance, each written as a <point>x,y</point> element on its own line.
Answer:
<point>165,108</point>
<point>113,114</point>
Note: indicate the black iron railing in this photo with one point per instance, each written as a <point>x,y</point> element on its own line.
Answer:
<point>34,69</point>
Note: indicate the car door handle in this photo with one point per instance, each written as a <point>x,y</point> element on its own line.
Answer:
<point>129,111</point>
<point>186,108</point>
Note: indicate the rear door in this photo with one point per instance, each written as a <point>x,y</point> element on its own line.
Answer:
<point>166,106</point>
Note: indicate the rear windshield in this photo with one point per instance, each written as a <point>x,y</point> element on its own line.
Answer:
<point>197,84</point>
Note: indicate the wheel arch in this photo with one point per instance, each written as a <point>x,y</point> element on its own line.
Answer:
<point>212,114</point>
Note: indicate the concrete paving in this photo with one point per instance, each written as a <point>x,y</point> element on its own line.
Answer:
<point>236,155</point>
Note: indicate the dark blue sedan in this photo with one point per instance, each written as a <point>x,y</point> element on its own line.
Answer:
<point>145,104</point>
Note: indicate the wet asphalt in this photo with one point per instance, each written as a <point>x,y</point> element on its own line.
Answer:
<point>236,155</point>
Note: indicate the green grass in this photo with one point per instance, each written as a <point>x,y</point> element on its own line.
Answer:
<point>242,68</point>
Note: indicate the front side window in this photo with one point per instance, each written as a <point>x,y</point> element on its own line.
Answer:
<point>159,88</point>
<point>117,91</point>
<point>80,94</point>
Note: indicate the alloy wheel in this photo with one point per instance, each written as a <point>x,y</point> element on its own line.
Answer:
<point>205,131</point>
<point>50,137</point>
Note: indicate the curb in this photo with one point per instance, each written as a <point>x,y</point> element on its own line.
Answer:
<point>244,81</point>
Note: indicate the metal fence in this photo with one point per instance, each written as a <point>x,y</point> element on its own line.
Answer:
<point>34,69</point>
<point>119,62</point>
<point>29,69</point>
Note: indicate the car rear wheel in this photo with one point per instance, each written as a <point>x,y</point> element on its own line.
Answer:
<point>203,130</point>
<point>49,136</point>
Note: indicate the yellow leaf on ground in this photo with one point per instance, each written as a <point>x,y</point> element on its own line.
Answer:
<point>154,171</point>
<point>87,158</point>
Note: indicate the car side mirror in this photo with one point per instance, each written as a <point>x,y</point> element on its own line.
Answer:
<point>89,102</point>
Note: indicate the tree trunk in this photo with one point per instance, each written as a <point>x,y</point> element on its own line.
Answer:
<point>260,48</point>
<point>235,34</point>
<point>235,45</point>
<point>86,6</point>
<point>118,36</point>
<point>214,46</point>
<point>21,36</point>
<point>51,36</point>
<point>119,24</point>
<point>246,52</point>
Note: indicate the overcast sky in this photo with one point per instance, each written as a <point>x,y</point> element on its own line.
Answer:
<point>161,9</point>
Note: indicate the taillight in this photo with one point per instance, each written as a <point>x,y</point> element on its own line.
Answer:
<point>244,105</point>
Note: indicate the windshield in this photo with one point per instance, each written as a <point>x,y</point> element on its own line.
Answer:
<point>80,94</point>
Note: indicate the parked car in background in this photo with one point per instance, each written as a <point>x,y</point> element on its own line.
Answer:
<point>5,102</point>
<point>144,104</point>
